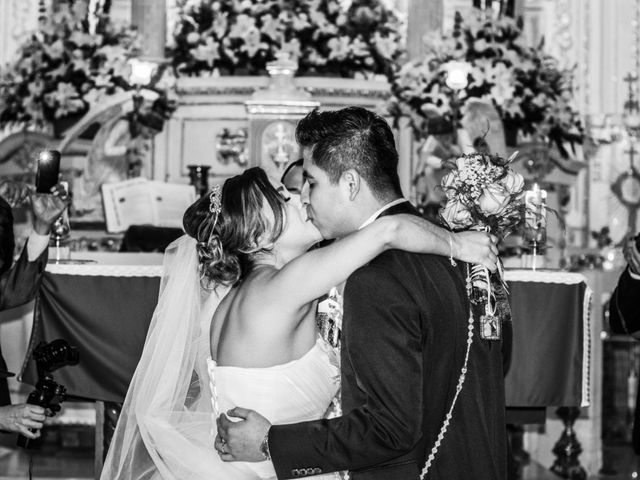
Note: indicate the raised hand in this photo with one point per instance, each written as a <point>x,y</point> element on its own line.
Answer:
<point>241,440</point>
<point>47,207</point>
<point>476,247</point>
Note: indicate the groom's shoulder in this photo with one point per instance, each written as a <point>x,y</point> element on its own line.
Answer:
<point>408,267</point>
<point>399,274</point>
<point>400,258</point>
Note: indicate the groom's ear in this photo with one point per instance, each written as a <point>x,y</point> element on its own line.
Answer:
<point>352,182</point>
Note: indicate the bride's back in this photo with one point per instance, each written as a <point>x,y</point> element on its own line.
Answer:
<point>251,329</point>
<point>246,230</point>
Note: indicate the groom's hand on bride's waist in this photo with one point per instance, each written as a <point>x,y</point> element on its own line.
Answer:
<point>243,439</point>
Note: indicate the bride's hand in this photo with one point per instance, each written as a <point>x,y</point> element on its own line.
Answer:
<point>476,247</point>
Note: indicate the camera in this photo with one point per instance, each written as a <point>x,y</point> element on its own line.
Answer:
<point>48,393</point>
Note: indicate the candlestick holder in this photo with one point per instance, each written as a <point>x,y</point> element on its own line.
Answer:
<point>60,232</point>
<point>535,231</point>
<point>199,178</point>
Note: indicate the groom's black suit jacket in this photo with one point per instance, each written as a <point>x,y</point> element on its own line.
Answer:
<point>403,345</point>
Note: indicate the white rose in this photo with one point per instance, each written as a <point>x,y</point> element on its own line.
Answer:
<point>193,38</point>
<point>494,200</point>
<point>513,182</point>
<point>456,214</point>
<point>448,180</point>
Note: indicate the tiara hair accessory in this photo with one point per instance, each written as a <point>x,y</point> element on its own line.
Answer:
<point>215,205</point>
<point>215,200</point>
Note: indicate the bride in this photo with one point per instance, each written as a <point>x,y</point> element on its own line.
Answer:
<point>235,325</point>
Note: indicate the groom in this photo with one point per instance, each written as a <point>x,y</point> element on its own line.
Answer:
<point>404,338</point>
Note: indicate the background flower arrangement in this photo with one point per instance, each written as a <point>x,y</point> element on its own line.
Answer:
<point>65,68</point>
<point>241,36</point>
<point>525,85</point>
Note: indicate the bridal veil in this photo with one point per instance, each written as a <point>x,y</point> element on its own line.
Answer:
<point>166,426</point>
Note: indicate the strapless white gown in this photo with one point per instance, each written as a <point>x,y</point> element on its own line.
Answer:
<point>296,391</point>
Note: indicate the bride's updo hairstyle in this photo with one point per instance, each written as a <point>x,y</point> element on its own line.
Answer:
<point>230,226</point>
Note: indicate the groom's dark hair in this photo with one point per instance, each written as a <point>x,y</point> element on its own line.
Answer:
<point>353,138</point>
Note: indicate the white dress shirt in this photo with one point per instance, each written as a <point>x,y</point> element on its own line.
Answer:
<point>36,244</point>
<point>372,218</point>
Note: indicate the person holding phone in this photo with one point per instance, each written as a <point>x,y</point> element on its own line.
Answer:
<point>20,281</point>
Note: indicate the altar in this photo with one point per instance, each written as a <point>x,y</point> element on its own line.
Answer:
<point>105,310</point>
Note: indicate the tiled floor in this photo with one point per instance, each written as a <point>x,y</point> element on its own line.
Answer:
<point>61,458</point>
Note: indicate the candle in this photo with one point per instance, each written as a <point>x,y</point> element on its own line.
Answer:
<point>536,211</point>
<point>535,232</point>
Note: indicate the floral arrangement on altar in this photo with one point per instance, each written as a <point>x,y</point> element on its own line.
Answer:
<point>526,86</point>
<point>484,193</point>
<point>65,67</point>
<point>240,36</point>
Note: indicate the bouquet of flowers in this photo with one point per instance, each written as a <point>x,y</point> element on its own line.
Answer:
<point>64,68</point>
<point>526,86</point>
<point>483,192</point>
<point>240,37</point>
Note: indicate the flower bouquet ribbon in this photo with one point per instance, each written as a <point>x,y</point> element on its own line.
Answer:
<point>484,193</point>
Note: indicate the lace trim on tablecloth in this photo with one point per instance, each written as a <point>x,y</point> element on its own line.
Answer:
<point>97,270</point>
<point>544,276</point>
<point>586,348</point>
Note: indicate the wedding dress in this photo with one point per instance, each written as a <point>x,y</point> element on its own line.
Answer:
<point>293,392</point>
<point>167,429</point>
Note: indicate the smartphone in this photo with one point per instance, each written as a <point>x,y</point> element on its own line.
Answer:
<point>48,170</point>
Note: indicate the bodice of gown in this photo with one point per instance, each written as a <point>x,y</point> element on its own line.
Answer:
<point>293,392</point>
